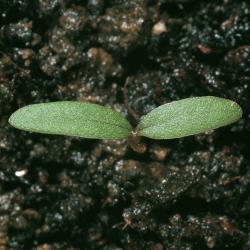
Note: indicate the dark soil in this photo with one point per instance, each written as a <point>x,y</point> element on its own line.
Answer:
<point>67,193</point>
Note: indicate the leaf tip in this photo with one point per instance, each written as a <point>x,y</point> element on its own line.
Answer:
<point>238,109</point>
<point>15,119</point>
<point>12,119</point>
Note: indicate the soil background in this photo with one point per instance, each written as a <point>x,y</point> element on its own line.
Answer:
<point>67,193</point>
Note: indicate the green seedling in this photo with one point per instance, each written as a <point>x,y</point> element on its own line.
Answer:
<point>172,120</point>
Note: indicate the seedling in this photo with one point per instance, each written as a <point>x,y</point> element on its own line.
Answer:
<point>172,120</point>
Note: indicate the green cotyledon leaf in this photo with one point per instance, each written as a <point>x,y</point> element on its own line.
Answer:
<point>72,118</point>
<point>188,117</point>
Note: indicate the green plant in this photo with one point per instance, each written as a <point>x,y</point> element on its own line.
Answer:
<point>172,120</point>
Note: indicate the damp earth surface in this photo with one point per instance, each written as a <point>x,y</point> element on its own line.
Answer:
<point>63,193</point>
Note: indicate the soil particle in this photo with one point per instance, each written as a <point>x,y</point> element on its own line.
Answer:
<point>160,153</point>
<point>73,20</point>
<point>125,27</point>
<point>19,32</point>
<point>109,66</point>
<point>60,54</point>
<point>47,6</point>
<point>96,7</point>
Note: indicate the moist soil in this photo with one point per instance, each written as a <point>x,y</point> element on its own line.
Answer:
<point>63,193</point>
